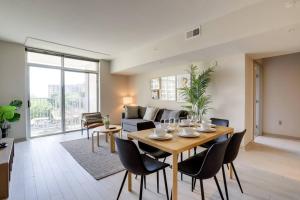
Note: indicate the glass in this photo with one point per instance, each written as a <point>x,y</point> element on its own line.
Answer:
<point>76,98</point>
<point>45,99</point>
<point>43,59</point>
<point>93,93</point>
<point>80,64</point>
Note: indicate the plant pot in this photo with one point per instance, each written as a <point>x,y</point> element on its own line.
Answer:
<point>4,132</point>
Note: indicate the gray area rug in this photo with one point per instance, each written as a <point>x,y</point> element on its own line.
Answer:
<point>101,163</point>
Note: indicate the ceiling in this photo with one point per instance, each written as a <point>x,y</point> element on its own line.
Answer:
<point>107,26</point>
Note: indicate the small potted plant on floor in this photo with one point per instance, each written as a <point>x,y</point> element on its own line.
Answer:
<point>8,114</point>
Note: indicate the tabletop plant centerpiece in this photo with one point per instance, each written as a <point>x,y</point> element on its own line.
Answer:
<point>106,121</point>
<point>8,115</point>
<point>197,101</point>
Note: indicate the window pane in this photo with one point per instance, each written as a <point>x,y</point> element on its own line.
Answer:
<point>76,98</point>
<point>93,92</point>
<point>80,64</point>
<point>45,98</point>
<point>44,59</point>
<point>168,91</point>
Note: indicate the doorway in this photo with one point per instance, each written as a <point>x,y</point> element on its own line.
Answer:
<point>258,99</point>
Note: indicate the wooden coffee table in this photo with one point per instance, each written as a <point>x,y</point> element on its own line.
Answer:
<point>109,133</point>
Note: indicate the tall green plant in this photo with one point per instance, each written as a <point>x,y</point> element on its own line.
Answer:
<point>195,95</point>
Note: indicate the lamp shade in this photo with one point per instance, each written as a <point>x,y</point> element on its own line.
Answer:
<point>127,100</point>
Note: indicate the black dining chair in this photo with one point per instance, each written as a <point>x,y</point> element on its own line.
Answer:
<point>218,122</point>
<point>149,150</point>
<point>139,164</point>
<point>230,155</point>
<point>205,165</point>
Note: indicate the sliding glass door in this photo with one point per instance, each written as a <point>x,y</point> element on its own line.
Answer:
<point>61,89</point>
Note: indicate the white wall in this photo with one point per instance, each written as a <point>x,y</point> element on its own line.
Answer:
<point>12,82</point>
<point>227,88</point>
<point>112,89</point>
<point>281,95</point>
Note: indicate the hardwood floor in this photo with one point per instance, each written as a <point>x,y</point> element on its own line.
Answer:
<point>44,170</point>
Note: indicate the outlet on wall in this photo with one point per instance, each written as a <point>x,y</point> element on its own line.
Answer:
<point>280,122</point>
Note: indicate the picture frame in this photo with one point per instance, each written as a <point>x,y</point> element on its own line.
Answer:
<point>183,80</point>
<point>155,94</point>
<point>155,84</point>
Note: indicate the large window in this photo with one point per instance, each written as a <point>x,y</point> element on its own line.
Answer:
<point>61,89</point>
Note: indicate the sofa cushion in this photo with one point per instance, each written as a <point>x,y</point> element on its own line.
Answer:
<point>151,113</point>
<point>174,114</point>
<point>142,111</point>
<point>133,122</point>
<point>131,112</point>
<point>166,114</point>
<point>159,115</point>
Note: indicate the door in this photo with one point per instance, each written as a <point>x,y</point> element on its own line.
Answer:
<point>45,100</point>
<point>258,97</point>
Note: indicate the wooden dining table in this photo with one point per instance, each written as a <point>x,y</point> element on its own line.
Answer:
<point>175,146</point>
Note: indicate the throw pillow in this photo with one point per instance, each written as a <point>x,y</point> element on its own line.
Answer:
<point>166,114</point>
<point>131,112</point>
<point>150,113</point>
<point>142,111</point>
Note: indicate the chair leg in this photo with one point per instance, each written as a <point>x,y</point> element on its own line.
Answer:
<point>195,151</point>
<point>225,182</point>
<point>88,133</point>
<point>217,183</point>
<point>166,184</point>
<point>136,176</point>
<point>122,185</point>
<point>227,166</point>
<point>145,182</point>
<point>237,178</point>
<point>192,184</point>
<point>202,189</point>
<point>141,187</point>
<point>157,182</point>
<point>181,158</point>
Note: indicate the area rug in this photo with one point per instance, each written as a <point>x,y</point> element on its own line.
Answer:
<point>99,164</point>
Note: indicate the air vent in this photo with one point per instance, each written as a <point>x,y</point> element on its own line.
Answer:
<point>193,33</point>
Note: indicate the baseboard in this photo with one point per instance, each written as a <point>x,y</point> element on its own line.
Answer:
<point>20,140</point>
<point>281,136</point>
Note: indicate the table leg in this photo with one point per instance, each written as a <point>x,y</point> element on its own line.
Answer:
<point>112,143</point>
<point>174,175</point>
<point>98,138</point>
<point>129,178</point>
<point>129,182</point>
<point>93,142</point>
<point>230,170</point>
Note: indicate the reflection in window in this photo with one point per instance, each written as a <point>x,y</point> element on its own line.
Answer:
<point>168,91</point>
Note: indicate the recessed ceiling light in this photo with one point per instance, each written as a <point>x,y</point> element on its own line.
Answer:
<point>290,4</point>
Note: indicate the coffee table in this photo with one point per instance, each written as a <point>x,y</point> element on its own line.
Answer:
<point>109,133</point>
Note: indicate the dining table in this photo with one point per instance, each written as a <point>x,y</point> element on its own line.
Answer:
<point>175,146</point>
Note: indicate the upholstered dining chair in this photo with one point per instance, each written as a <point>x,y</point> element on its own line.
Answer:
<point>140,164</point>
<point>230,155</point>
<point>149,150</point>
<point>205,165</point>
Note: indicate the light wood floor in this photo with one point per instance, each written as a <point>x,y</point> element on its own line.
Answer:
<point>43,170</point>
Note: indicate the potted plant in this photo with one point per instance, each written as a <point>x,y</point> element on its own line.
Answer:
<point>8,114</point>
<point>106,121</point>
<point>195,95</point>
